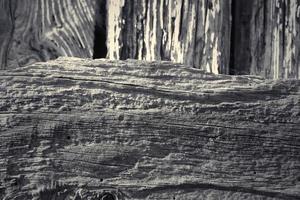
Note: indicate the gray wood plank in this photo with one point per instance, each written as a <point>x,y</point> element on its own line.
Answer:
<point>146,130</point>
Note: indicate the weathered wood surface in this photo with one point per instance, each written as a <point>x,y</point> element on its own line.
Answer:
<point>40,30</point>
<point>258,37</point>
<point>196,33</point>
<point>146,130</point>
<point>266,39</point>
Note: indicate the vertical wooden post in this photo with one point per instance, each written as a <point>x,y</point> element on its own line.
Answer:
<point>196,33</point>
<point>275,38</point>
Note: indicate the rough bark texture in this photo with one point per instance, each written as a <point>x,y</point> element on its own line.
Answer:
<point>40,30</point>
<point>146,130</point>
<point>196,33</point>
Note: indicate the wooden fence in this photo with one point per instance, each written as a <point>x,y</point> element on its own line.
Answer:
<point>258,37</point>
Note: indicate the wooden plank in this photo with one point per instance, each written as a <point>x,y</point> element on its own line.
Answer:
<point>269,42</point>
<point>40,30</point>
<point>146,130</point>
<point>258,37</point>
<point>196,33</point>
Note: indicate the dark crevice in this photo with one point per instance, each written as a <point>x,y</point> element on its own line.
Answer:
<point>196,31</point>
<point>208,186</point>
<point>181,21</point>
<point>128,49</point>
<point>107,196</point>
<point>264,37</point>
<point>240,48</point>
<point>232,39</point>
<point>100,33</point>
<point>283,30</point>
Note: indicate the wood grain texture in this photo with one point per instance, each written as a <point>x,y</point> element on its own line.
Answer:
<point>40,30</point>
<point>196,33</point>
<point>258,37</point>
<point>78,129</point>
<point>268,44</point>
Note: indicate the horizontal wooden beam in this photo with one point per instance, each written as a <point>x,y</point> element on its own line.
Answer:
<point>146,130</point>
